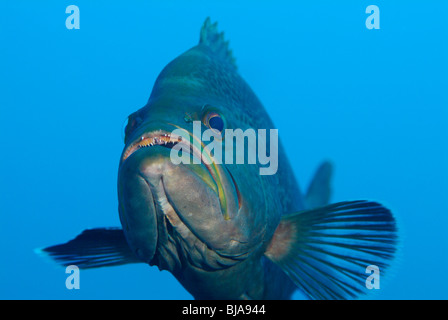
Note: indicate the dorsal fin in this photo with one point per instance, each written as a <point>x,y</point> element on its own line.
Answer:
<point>214,39</point>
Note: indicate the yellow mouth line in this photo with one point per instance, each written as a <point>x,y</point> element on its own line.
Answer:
<point>212,168</point>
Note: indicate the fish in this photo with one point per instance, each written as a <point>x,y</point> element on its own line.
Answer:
<point>224,230</point>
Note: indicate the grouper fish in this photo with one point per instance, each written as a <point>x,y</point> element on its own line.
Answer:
<point>224,230</point>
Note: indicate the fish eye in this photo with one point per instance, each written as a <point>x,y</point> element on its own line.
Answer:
<point>214,121</point>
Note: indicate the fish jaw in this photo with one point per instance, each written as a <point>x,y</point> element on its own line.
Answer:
<point>162,204</point>
<point>137,212</point>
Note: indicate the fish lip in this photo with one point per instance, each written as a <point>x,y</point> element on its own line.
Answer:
<point>149,139</point>
<point>157,212</point>
<point>137,217</point>
<point>148,185</point>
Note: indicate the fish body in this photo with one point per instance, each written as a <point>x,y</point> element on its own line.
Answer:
<point>224,230</point>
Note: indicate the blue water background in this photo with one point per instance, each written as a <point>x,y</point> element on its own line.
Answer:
<point>372,101</point>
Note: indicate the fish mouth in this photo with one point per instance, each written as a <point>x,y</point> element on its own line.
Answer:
<point>196,150</point>
<point>155,138</point>
<point>163,205</point>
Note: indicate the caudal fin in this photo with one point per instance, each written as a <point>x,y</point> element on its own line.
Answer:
<point>326,251</point>
<point>93,248</point>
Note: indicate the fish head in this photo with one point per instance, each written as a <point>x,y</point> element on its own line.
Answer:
<point>202,211</point>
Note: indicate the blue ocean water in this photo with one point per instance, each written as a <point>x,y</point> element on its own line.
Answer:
<point>374,102</point>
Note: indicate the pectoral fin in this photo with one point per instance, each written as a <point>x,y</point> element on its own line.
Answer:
<point>93,248</point>
<point>325,251</point>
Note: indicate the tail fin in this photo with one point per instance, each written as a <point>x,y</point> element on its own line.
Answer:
<point>319,191</point>
<point>215,41</point>
<point>326,251</point>
<point>93,248</point>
